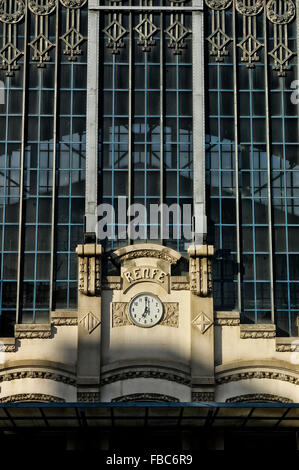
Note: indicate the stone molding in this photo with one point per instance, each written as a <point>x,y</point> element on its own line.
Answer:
<point>227,319</point>
<point>151,397</point>
<point>179,283</point>
<point>257,331</point>
<point>31,397</point>
<point>287,344</point>
<point>32,331</point>
<point>146,250</point>
<point>145,374</point>
<point>258,397</point>
<point>203,396</point>
<point>257,375</point>
<point>200,269</point>
<point>37,374</point>
<point>89,282</point>
<point>7,345</point>
<point>89,397</point>
<point>111,283</point>
<point>64,318</point>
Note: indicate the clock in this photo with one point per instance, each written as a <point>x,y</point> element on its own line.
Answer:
<point>145,310</point>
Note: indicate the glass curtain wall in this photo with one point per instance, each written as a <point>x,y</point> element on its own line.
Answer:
<point>42,156</point>
<point>252,144</point>
<point>145,143</point>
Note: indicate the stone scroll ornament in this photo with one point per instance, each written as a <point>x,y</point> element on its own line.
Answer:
<point>279,12</point>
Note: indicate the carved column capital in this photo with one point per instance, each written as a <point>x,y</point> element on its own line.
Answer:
<point>89,268</point>
<point>200,269</point>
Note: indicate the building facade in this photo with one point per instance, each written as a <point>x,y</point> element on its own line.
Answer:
<point>149,189</point>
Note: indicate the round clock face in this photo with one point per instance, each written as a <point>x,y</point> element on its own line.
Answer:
<point>145,310</point>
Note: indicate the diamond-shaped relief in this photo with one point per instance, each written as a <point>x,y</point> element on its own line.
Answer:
<point>89,322</point>
<point>202,322</point>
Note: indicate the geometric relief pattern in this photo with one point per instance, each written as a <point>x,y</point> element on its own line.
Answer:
<point>13,12</point>
<point>278,12</point>
<point>115,30</point>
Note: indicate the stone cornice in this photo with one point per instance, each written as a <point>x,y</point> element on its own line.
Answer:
<point>259,397</point>
<point>31,397</point>
<point>203,396</point>
<point>37,374</point>
<point>258,374</point>
<point>152,397</point>
<point>287,344</point>
<point>257,331</point>
<point>227,319</point>
<point>111,283</point>
<point>31,331</point>
<point>146,250</point>
<point>179,283</point>
<point>64,318</point>
<point>145,374</point>
<point>90,397</point>
<point>34,364</point>
<point>7,345</point>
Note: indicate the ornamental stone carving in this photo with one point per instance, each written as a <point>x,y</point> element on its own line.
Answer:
<point>203,396</point>
<point>33,397</point>
<point>257,375</point>
<point>249,10</point>
<point>258,398</point>
<point>146,374</point>
<point>90,322</point>
<point>89,282</point>
<point>171,314</point>
<point>37,374</point>
<point>89,397</point>
<point>255,331</point>
<point>8,17</point>
<point>219,4</point>
<point>274,13</point>
<point>200,269</point>
<point>73,3</point>
<point>38,8</point>
<point>120,314</point>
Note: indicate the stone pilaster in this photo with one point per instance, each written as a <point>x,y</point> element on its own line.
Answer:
<point>89,317</point>
<point>202,319</point>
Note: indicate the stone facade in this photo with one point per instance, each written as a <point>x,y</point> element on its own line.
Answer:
<point>193,354</point>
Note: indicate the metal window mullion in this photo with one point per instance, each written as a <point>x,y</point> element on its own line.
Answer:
<point>252,197</point>
<point>286,209</point>
<point>22,157</point>
<point>54,167</point>
<point>161,123</point>
<point>236,132</point>
<point>130,152</point>
<point>269,188</point>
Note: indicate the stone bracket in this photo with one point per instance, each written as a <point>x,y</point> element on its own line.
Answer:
<point>89,282</point>
<point>200,269</point>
